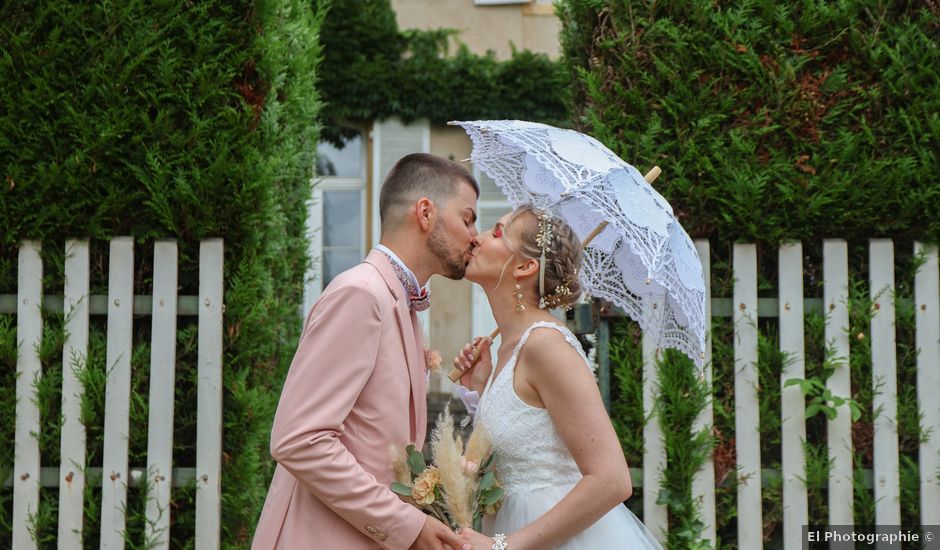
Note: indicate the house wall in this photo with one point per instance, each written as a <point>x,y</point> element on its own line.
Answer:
<point>496,28</point>
<point>450,314</point>
<point>529,25</point>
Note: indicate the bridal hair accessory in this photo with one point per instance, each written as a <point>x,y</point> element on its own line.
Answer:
<point>559,296</point>
<point>499,542</point>
<point>544,239</point>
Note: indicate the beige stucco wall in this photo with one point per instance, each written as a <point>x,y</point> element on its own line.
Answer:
<point>532,26</point>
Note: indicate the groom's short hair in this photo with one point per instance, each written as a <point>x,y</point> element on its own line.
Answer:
<point>420,175</point>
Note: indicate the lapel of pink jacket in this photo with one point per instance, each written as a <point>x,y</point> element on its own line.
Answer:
<point>419,379</point>
<point>411,338</point>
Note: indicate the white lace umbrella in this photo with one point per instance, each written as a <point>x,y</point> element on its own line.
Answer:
<point>641,259</point>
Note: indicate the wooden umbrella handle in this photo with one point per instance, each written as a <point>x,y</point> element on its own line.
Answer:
<point>456,373</point>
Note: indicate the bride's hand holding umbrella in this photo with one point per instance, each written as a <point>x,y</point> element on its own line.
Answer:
<point>473,364</point>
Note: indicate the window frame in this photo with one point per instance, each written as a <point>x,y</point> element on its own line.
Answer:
<point>313,280</point>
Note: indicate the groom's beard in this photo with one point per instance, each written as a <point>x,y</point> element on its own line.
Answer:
<point>452,261</point>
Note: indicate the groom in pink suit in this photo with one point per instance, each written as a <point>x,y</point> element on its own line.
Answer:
<point>356,386</point>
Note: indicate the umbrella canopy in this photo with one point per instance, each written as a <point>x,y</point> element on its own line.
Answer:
<point>641,260</point>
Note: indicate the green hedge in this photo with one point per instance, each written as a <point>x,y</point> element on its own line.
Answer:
<point>772,121</point>
<point>372,70</point>
<point>181,120</point>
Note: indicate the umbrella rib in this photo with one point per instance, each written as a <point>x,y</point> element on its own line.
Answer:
<point>650,177</point>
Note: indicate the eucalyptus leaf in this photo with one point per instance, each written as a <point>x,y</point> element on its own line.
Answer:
<point>416,461</point>
<point>400,488</point>
<point>492,496</point>
<point>487,481</point>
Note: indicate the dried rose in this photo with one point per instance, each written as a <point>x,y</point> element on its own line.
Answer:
<point>423,490</point>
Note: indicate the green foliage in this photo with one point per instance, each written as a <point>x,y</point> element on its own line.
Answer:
<point>162,120</point>
<point>775,122</point>
<point>371,70</point>
<point>771,120</point>
<point>626,396</point>
<point>8,378</point>
<point>681,397</point>
<point>680,401</point>
<point>822,400</point>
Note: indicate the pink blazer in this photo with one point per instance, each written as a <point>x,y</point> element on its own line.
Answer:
<point>356,387</point>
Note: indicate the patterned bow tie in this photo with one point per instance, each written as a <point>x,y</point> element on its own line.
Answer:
<point>418,299</point>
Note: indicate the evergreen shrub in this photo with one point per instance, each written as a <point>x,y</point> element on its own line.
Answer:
<point>158,120</point>
<point>772,122</point>
<point>372,70</point>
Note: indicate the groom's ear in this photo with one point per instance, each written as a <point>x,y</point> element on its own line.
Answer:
<point>425,212</point>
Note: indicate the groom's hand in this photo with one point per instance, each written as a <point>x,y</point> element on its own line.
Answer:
<point>475,370</point>
<point>436,536</point>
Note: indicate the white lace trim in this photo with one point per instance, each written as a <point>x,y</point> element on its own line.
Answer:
<point>575,175</point>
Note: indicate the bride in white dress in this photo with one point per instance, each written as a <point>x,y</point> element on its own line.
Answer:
<point>557,455</point>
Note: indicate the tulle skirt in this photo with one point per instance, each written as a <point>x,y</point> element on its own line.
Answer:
<point>618,529</point>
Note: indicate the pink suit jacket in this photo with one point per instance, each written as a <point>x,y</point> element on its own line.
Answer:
<point>355,388</point>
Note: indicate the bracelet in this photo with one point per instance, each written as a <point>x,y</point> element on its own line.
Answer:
<point>499,542</point>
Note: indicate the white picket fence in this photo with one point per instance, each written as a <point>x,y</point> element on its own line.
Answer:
<point>164,306</point>
<point>120,306</point>
<point>789,309</point>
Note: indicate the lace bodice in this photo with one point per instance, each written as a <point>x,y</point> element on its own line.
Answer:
<point>529,452</point>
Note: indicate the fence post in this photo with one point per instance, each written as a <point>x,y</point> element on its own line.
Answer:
<point>209,390</point>
<point>839,429</point>
<point>603,360</point>
<point>655,515</point>
<point>117,395</point>
<point>703,484</point>
<point>74,357</point>
<point>927,304</point>
<point>162,386</point>
<point>746,405</point>
<point>28,372</point>
<point>885,382</point>
<point>793,404</point>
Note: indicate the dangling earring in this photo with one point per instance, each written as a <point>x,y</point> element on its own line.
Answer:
<point>518,290</point>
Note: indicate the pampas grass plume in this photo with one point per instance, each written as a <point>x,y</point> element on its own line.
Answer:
<point>447,450</point>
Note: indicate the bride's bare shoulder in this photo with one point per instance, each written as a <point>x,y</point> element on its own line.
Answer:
<point>548,348</point>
